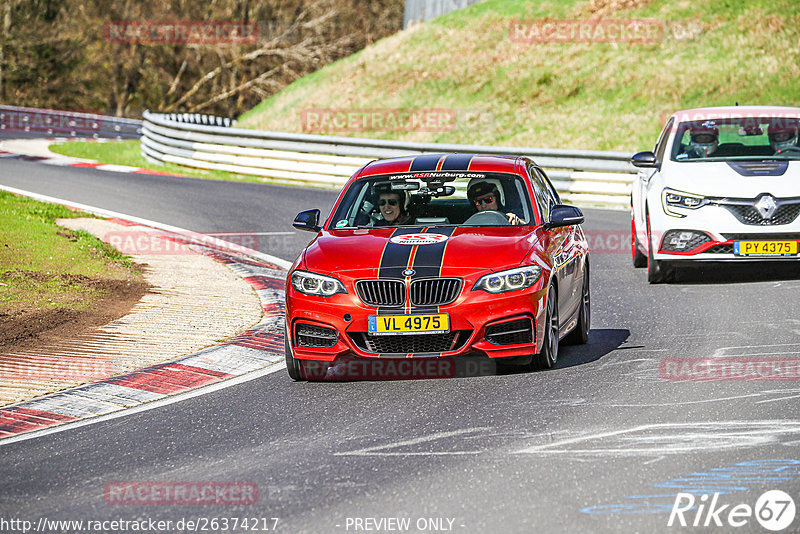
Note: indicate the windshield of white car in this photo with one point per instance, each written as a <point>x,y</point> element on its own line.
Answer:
<point>748,138</point>
<point>443,198</point>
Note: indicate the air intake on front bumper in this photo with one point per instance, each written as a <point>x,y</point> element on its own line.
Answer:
<point>411,343</point>
<point>307,335</point>
<point>510,332</point>
<point>683,240</point>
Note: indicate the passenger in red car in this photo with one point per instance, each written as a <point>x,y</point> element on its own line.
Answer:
<point>486,197</point>
<point>393,209</point>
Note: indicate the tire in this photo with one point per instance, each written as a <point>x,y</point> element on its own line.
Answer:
<point>656,270</point>
<point>547,357</point>
<point>639,259</point>
<point>292,364</point>
<point>580,335</point>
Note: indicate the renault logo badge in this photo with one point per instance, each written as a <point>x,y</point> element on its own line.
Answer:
<point>766,206</point>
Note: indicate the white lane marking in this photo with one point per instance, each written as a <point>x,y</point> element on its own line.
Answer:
<point>211,388</point>
<point>722,350</point>
<point>672,438</point>
<point>666,404</point>
<point>169,228</point>
<point>779,399</point>
<point>116,168</point>
<point>380,450</point>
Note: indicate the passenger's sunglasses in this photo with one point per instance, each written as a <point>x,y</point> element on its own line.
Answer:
<point>488,199</point>
<point>390,201</point>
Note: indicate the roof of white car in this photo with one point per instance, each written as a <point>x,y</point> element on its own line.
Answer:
<point>728,112</point>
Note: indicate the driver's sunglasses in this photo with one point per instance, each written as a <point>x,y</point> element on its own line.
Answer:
<point>488,199</point>
<point>390,201</point>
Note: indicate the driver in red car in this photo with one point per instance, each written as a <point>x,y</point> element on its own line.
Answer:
<point>486,197</point>
<point>393,208</point>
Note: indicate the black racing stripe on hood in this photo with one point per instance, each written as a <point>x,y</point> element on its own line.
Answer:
<point>426,162</point>
<point>428,259</point>
<point>457,162</point>
<point>395,257</point>
<point>394,261</point>
<point>428,263</point>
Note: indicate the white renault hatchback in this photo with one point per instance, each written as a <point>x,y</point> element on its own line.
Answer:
<point>722,184</point>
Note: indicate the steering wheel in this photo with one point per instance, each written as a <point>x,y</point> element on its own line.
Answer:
<point>788,149</point>
<point>487,218</point>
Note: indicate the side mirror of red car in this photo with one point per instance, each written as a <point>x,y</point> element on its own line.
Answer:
<point>307,220</point>
<point>563,215</point>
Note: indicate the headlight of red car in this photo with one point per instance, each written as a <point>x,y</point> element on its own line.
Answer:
<point>511,280</point>
<point>316,284</point>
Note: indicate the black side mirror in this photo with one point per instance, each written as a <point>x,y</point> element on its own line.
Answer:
<point>644,159</point>
<point>563,215</point>
<point>307,220</point>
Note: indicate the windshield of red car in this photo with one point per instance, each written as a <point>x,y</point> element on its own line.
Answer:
<point>442,198</point>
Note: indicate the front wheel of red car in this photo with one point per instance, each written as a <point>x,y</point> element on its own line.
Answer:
<point>580,335</point>
<point>292,363</point>
<point>546,358</point>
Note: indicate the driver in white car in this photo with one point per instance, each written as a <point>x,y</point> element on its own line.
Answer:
<point>486,197</point>
<point>703,142</point>
<point>782,137</point>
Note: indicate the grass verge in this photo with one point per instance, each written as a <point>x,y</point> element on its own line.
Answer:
<point>47,267</point>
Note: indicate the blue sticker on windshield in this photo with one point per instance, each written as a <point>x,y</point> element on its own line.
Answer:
<point>341,223</point>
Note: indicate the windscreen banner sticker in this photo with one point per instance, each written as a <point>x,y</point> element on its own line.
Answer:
<point>418,239</point>
<point>444,176</point>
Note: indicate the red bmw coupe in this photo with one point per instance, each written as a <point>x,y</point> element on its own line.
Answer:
<point>439,257</point>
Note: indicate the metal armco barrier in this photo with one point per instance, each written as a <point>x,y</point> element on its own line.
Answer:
<point>582,177</point>
<point>34,121</point>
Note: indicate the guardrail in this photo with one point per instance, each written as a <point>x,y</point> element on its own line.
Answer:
<point>27,122</point>
<point>582,177</point>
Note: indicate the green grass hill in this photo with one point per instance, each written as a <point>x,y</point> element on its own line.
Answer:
<point>499,90</point>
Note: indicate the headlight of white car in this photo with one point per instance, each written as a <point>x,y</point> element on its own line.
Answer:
<point>316,284</point>
<point>678,199</point>
<point>511,280</point>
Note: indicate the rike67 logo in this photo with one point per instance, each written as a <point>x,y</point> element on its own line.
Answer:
<point>774,510</point>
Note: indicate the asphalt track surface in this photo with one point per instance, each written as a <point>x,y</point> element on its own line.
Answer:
<point>602,443</point>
